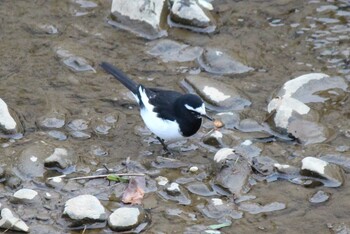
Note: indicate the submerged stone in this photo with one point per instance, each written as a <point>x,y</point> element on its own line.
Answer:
<point>78,64</point>
<point>255,208</point>
<point>217,62</point>
<point>52,122</point>
<point>319,197</point>
<point>168,51</point>
<point>144,18</point>
<point>218,209</point>
<point>200,189</point>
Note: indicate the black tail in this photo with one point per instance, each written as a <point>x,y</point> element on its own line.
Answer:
<point>119,75</point>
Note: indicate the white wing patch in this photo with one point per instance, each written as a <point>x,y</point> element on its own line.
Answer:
<point>165,129</point>
<point>200,110</point>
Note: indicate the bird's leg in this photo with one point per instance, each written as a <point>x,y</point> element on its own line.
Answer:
<point>163,144</point>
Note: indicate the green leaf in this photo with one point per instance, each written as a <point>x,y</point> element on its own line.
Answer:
<point>116,178</point>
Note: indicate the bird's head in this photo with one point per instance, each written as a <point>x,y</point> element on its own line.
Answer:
<point>195,106</point>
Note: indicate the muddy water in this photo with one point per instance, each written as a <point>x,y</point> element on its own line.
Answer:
<point>280,39</point>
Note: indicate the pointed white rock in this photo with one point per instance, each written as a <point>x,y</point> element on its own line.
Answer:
<point>6,120</point>
<point>9,221</point>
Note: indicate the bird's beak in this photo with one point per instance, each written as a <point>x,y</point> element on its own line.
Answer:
<point>206,116</point>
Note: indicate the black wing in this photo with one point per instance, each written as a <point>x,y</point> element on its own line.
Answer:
<point>163,102</point>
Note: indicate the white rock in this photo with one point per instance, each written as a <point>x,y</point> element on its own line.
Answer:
<point>314,164</point>
<point>58,158</point>
<point>124,218</point>
<point>217,201</point>
<point>193,169</point>
<point>222,154</point>
<point>174,187</point>
<point>205,4</point>
<point>215,94</point>
<point>161,180</point>
<point>284,109</point>
<point>6,120</point>
<point>147,13</point>
<point>84,207</point>
<point>9,221</point>
<point>28,194</point>
<point>189,11</point>
<point>293,85</point>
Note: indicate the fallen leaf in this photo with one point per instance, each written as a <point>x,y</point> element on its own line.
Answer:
<point>135,191</point>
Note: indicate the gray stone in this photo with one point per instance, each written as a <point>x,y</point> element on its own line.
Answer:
<point>7,122</point>
<point>126,218</point>
<point>292,106</point>
<point>188,14</point>
<point>219,96</point>
<point>9,221</point>
<point>31,160</point>
<point>331,175</point>
<point>59,158</point>
<point>319,197</point>
<point>52,122</point>
<point>200,189</point>
<point>143,18</point>
<point>217,209</point>
<point>84,207</point>
<point>217,62</point>
<point>214,138</point>
<point>234,175</point>
<point>78,64</point>
<point>78,125</point>
<point>58,135</point>
<point>168,51</point>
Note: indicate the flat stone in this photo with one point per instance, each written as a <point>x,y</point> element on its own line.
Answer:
<point>143,18</point>
<point>7,122</point>
<point>78,64</point>
<point>169,51</point>
<point>126,218</point>
<point>9,221</point>
<point>84,207</point>
<point>219,96</point>
<point>52,122</point>
<point>25,194</point>
<point>319,197</point>
<point>332,174</point>
<point>293,104</point>
<point>78,125</point>
<point>218,62</point>
<point>255,208</point>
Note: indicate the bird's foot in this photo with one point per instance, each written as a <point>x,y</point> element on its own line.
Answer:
<point>165,147</point>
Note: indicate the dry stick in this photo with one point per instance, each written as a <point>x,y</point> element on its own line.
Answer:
<point>103,176</point>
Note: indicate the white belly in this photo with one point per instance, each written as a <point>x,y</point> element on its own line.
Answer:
<point>165,129</point>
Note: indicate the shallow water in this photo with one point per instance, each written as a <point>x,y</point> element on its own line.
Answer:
<point>280,39</point>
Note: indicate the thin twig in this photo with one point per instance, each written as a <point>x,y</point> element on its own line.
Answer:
<point>103,176</point>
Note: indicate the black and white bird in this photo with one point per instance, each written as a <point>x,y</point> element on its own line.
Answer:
<point>170,115</point>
